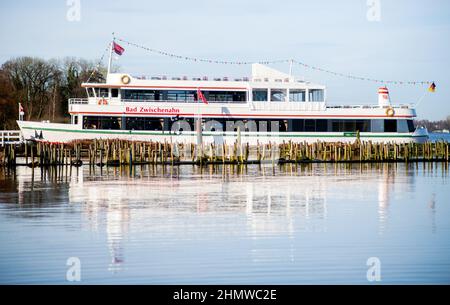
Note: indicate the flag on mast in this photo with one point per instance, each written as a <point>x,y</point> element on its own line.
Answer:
<point>20,108</point>
<point>201,96</point>
<point>432,87</point>
<point>118,49</point>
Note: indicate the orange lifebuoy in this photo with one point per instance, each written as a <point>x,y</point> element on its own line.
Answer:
<point>390,111</point>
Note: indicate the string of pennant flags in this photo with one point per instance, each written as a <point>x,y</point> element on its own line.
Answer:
<point>195,59</point>
<point>267,62</point>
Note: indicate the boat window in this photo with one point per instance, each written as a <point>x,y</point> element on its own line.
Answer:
<point>259,95</point>
<point>180,95</point>
<point>225,96</point>
<point>337,126</point>
<point>402,126</point>
<point>362,125</point>
<point>297,125</point>
<point>114,92</point>
<point>150,95</point>
<point>140,123</point>
<point>278,95</point>
<point>90,92</point>
<point>390,125</point>
<point>350,125</point>
<point>296,95</point>
<point>310,125</point>
<point>316,95</point>
<point>100,122</point>
<point>104,92</point>
<point>377,126</point>
<point>181,124</point>
<point>247,124</point>
<point>321,125</point>
<point>283,125</point>
<point>411,127</point>
<point>101,92</point>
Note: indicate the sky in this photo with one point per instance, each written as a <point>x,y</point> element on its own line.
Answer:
<point>410,41</point>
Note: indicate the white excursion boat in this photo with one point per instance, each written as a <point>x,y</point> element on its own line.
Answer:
<point>270,106</point>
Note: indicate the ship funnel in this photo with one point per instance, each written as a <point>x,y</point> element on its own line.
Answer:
<point>383,97</point>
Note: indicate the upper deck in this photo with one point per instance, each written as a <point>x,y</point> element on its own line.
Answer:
<point>267,91</point>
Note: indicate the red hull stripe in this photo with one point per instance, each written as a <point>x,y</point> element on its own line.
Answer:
<point>247,115</point>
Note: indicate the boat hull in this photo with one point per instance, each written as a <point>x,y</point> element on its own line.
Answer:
<point>63,133</point>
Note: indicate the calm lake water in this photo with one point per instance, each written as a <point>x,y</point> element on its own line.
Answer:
<point>289,224</point>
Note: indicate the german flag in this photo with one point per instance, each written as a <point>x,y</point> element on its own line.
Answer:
<point>432,87</point>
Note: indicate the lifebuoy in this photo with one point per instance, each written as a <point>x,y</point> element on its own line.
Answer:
<point>390,111</point>
<point>102,101</point>
<point>125,79</point>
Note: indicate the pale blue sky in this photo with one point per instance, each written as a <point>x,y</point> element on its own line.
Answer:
<point>411,42</point>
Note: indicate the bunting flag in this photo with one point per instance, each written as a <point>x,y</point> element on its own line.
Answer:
<point>267,62</point>
<point>432,87</point>
<point>201,96</point>
<point>118,49</point>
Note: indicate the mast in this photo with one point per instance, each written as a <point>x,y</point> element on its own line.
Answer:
<point>110,54</point>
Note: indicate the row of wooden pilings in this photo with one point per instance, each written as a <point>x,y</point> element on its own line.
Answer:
<point>119,152</point>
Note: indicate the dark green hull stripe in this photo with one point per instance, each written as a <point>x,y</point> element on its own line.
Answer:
<point>97,131</point>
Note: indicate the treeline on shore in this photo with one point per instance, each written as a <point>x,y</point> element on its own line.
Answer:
<point>434,125</point>
<point>43,87</point>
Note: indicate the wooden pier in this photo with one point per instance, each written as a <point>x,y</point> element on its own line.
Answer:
<point>120,152</point>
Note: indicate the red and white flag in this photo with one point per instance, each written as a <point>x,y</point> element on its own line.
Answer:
<point>201,96</point>
<point>118,49</point>
<point>20,107</point>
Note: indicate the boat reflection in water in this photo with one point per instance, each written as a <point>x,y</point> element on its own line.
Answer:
<point>279,204</point>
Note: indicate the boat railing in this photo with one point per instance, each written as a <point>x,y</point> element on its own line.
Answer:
<point>401,106</point>
<point>289,106</point>
<point>181,102</point>
<point>116,101</point>
<point>10,137</point>
<point>78,101</point>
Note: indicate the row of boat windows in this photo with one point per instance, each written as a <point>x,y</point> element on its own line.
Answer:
<point>258,95</point>
<point>295,95</point>
<point>172,95</point>
<point>261,125</point>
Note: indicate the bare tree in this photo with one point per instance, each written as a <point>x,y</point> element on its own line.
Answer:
<point>33,80</point>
